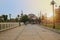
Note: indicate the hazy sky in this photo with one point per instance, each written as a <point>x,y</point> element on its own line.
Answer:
<point>14,7</point>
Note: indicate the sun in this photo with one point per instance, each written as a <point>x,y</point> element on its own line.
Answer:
<point>50,15</point>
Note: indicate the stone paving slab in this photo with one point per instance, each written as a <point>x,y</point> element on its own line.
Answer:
<point>30,32</point>
<point>10,34</point>
<point>35,32</point>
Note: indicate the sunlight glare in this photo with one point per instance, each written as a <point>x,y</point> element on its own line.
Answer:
<point>50,15</point>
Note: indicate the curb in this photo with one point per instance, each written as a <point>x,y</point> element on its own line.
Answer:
<point>54,30</point>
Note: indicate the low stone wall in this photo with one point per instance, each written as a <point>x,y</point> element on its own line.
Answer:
<point>5,26</point>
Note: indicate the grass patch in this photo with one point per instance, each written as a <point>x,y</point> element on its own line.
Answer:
<point>57,26</point>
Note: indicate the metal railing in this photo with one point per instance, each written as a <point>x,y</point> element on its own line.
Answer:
<point>5,26</point>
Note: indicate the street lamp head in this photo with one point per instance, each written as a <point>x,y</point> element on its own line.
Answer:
<point>52,2</point>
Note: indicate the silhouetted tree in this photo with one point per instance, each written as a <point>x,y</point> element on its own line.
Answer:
<point>5,17</point>
<point>24,18</point>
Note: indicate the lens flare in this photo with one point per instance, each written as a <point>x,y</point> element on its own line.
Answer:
<point>50,15</point>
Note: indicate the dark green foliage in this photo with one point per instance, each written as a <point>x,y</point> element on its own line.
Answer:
<point>24,18</point>
<point>5,17</point>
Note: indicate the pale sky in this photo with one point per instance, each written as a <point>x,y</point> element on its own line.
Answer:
<point>14,7</point>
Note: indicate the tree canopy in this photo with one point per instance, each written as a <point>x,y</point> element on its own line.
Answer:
<point>24,18</point>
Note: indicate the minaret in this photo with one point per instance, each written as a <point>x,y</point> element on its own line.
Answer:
<point>10,16</point>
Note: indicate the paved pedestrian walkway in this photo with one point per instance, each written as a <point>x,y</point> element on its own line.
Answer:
<point>11,34</point>
<point>29,32</point>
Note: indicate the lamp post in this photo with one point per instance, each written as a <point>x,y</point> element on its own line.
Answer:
<point>46,18</point>
<point>41,17</point>
<point>19,19</point>
<point>21,13</point>
<point>53,3</point>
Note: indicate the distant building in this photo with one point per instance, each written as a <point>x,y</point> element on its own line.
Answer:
<point>57,15</point>
<point>32,16</point>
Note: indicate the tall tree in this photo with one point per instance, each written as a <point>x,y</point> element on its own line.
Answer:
<point>24,18</point>
<point>5,17</point>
